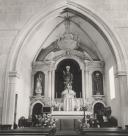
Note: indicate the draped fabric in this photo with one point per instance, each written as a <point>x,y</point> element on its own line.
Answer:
<point>68,100</point>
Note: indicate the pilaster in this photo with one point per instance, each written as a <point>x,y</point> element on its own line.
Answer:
<point>8,111</point>
<point>49,84</point>
<point>83,85</point>
<point>123,90</point>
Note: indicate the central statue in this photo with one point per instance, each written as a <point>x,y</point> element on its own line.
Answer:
<point>68,95</point>
<point>68,77</point>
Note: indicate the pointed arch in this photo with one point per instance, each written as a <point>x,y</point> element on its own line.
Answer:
<point>47,13</point>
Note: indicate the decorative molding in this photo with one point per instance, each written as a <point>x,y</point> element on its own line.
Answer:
<point>44,100</point>
<point>98,97</point>
<point>41,66</point>
<point>95,64</point>
<point>44,52</point>
<point>78,60</point>
<point>14,74</point>
<point>67,42</point>
<point>98,101</point>
<point>72,53</point>
<point>121,73</point>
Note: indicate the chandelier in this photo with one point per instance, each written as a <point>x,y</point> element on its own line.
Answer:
<point>68,41</point>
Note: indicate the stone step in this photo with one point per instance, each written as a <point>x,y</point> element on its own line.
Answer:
<point>66,133</point>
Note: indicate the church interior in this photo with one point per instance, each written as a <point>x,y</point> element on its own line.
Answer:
<point>64,66</point>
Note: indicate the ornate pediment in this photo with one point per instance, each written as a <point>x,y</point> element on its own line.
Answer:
<point>67,42</point>
<point>72,53</point>
<point>44,100</point>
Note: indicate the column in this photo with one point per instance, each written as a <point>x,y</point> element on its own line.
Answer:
<point>32,82</point>
<point>90,93</point>
<point>53,84</point>
<point>87,83</point>
<point>49,84</point>
<point>83,85</point>
<point>9,112</point>
<point>46,92</point>
<point>123,90</point>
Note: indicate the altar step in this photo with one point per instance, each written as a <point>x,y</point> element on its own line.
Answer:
<point>67,133</point>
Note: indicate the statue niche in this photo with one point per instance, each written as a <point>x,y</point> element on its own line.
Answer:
<point>97,83</point>
<point>68,72</point>
<point>39,81</point>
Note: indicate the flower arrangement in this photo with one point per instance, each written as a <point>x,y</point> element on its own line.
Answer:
<point>46,120</point>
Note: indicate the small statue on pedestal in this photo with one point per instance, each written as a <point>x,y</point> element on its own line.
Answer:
<point>38,89</point>
<point>97,83</point>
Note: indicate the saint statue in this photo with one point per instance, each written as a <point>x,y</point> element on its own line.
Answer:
<point>68,96</point>
<point>97,83</point>
<point>68,77</point>
<point>38,89</point>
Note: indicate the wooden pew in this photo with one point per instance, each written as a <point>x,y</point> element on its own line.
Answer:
<point>5,127</point>
<point>28,132</point>
<point>103,132</point>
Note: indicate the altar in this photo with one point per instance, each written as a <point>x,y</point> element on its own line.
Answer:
<point>69,114</point>
<point>68,120</point>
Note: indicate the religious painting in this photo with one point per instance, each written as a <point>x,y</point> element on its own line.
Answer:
<point>97,83</point>
<point>39,83</point>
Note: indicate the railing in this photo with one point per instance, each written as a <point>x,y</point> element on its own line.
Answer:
<point>103,132</point>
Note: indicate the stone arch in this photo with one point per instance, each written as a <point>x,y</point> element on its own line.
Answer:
<point>32,106</point>
<point>33,25</point>
<point>81,65</point>
<point>96,102</point>
<point>97,21</point>
<point>70,57</point>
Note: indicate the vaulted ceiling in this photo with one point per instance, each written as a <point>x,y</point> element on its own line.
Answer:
<point>91,42</point>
